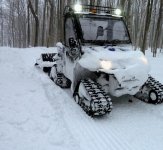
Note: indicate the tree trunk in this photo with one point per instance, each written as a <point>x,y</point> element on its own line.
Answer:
<point>35,15</point>
<point>60,19</point>
<point>147,24</point>
<point>157,39</point>
<point>43,26</point>
<point>51,25</point>
<point>28,30</point>
<point>2,26</point>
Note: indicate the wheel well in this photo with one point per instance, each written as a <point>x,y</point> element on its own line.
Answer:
<point>81,73</point>
<point>76,88</point>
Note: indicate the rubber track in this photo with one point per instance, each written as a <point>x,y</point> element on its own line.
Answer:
<point>155,85</point>
<point>62,81</point>
<point>98,96</point>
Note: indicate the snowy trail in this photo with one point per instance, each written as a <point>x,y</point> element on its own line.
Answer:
<point>121,130</point>
<point>109,132</point>
<point>27,120</point>
<point>84,128</point>
<point>37,114</point>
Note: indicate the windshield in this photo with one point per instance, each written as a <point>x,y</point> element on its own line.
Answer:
<point>101,29</point>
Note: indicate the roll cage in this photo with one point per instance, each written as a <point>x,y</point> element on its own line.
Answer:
<point>74,17</point>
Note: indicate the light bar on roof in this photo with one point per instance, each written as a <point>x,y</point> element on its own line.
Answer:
<point>118,12</point>
<point>78,8</point>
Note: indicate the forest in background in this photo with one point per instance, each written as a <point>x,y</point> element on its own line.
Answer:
<point>25,23</point>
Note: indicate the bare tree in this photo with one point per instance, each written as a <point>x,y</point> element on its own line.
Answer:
<point>1,24</point>
<point>50,41</point>
<point>43,24</point>
<point>157,37</point>
<point>147,24</point>
<point>35,15</point>
<point>34,22</point>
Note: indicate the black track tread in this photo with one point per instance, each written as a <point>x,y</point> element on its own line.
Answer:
<point>154,85</point>
<point>61,77</point>
<point>97,95</point>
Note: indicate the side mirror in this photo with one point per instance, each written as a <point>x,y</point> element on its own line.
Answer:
<point>100,31</point>
<point>72,42</point>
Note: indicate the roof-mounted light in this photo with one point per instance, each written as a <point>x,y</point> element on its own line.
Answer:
<point>118,12</point>
<point>78,8</point>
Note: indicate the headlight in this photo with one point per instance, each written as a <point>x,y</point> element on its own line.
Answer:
<point>106,65</point>
<point>144,59</point>
<point>118,12</point>
<point>78,8</point>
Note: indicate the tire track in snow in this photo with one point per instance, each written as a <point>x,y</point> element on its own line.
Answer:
<point>51,95</point>
<point>102,140</point>
<point>91,133</point>
<point>100,131</point>
<point>106,138</point>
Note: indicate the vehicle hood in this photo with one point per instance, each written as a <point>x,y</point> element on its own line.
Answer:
<point>123,62</point>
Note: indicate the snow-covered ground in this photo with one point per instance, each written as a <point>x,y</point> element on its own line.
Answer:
<point>35,114</point>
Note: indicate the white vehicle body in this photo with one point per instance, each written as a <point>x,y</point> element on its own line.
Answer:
<point>128,69</point>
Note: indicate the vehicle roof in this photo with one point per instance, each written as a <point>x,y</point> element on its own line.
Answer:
<point>92,10</point>
<point>98,14</point>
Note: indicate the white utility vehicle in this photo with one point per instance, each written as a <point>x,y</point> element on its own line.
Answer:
<point>96,60</point>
